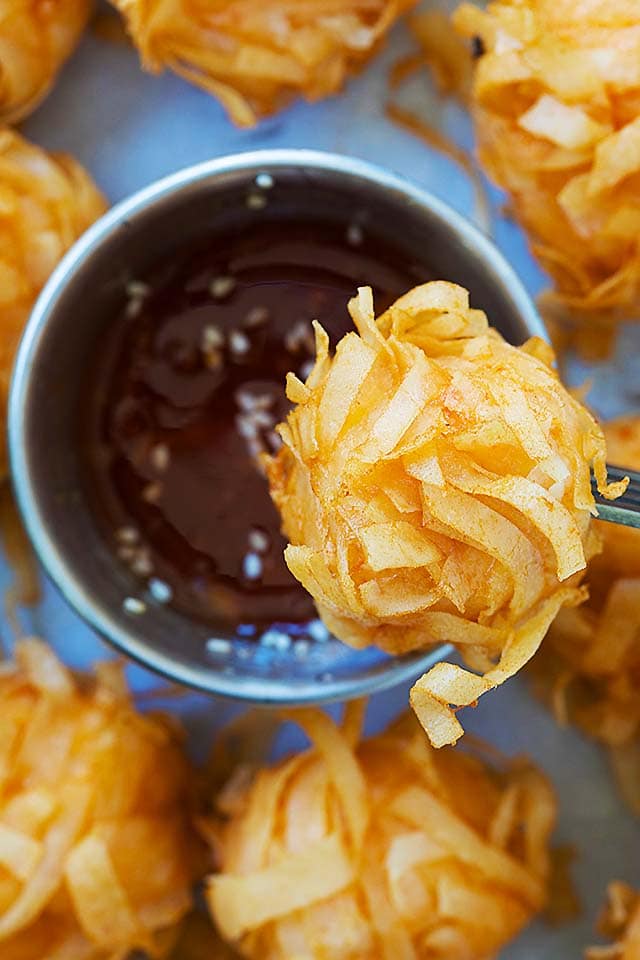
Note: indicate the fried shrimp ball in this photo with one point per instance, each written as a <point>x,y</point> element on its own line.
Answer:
<point>96,856</point>
<point>36,37</point>
<point>46,202</point>
<point>434,485</point>
<point>256,55</point>
<point>589,664</point>
<point>556,98</point>
<point>379,850</point>
<point>620,922</point>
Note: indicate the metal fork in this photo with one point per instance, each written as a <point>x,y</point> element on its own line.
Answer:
<point>625,510</point>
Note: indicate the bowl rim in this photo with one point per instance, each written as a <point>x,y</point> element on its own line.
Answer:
<point>392,672</point>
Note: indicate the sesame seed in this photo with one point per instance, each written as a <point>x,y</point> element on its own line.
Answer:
<point>263,419</point>
<point>160,457</point>
<point>219,646</point>
<point>355,235</point>
<point>265,181</point>
<point>160,590</point>
<point>282,641</point>
<point>256,317</point>
<point>252,566</point>
<point>256,201</point>
<point>126,553</point>
<point>299,337</point>
<point>258,540</point>
<point>249,401</point>
<point>301,649</point>
<point>134,606</point>
<point>212,338</point>
<point>318,632</point>
<point>136,294</point>
<point>134,307</point>
<point>246,427</point>
<point>141,564</point>
<point>239,343</point>
<point>152,492</point>
<point>127,535</point>
<point>275,640</point>
<point>222,287</point>
<point>137,290</point>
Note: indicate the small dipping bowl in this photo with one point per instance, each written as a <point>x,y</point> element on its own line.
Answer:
<point>89,289</point>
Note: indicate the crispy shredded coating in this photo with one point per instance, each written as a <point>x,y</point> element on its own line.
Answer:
<point>96,855</point>
<point>36,37</point>
<point>589,665</point>
<point>620,921</point>
<point>46,202</point>
<point>254,56</point>
<point>556,98</point>
<point>380,849</point>
<point>434,485</point>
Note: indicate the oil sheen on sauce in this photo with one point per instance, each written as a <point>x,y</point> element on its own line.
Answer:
<point>186,393</point>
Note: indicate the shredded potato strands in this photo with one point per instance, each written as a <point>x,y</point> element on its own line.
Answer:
<point>621,922</point>
<point>435,487</point>
<point>96,858</point>
<point>35,40</point>
<point>46,202</point>
<point>556,98</point>
<point>380,850</point>
<point>255,55</point>
<point>589,665</point>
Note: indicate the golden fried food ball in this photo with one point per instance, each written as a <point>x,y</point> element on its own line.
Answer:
<point>434,485</point>
<point>556,98</point>
<point>379,849</point>
<point>46,202</point>
<point>620,922</point>
<point>589,664</point>
<point>96,855</point>
<point>36,37</point>
<point>256,55</point>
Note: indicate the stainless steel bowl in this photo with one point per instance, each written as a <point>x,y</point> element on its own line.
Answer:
<point>88,289</point>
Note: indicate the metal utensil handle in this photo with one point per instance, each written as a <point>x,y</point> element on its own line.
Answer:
<point>625,510</point>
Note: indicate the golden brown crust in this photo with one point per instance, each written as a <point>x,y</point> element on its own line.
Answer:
<point>256,55</point>
<point>408,851</point>
<point>435,487</point>
<point>98,857</point>
<point>556,97</point>
<point>36,37</point>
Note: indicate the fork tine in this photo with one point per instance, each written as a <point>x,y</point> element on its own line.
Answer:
<point>625,510</point>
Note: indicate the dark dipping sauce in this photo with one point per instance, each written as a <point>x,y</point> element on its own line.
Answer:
<point>186,393</point>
